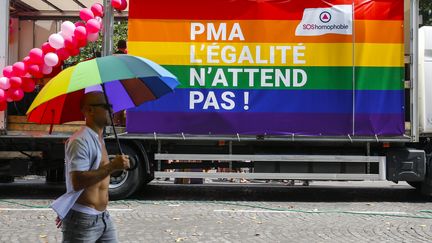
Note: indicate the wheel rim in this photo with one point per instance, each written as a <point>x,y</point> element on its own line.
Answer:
<point>117,179</point>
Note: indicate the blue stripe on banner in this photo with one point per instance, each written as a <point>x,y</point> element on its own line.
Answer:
<point>291,101</point>
<point>380,101</point>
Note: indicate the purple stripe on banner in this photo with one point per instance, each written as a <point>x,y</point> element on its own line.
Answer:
<point>263,123</point>
<point>380,124</point>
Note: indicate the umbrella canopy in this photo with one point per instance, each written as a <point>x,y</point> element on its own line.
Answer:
<point>128,80</point>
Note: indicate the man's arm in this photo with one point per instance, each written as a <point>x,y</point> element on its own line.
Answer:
<point>84,179</point>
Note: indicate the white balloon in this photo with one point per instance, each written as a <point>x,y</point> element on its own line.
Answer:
<point>62,34</point>
<point>46,69</point>
<point>67,29</point>
<point>56,41</point>
<point>51,59</point>
<point>4,83</point>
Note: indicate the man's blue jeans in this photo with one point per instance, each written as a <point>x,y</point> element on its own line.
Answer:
<point>80,227</point>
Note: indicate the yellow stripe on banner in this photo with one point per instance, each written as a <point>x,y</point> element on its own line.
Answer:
<point>265,54</point>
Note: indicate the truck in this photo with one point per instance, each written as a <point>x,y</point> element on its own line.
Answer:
<point>297,90</point>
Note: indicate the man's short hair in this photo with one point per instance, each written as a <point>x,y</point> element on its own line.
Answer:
<point>121,44</point>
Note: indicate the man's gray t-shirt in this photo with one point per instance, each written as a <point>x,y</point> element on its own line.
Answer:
<point>81,150</point>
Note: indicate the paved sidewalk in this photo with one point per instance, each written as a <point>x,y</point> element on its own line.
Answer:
<point>323,212</point>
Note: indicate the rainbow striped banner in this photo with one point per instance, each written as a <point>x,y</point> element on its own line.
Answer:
<point>316,67</point>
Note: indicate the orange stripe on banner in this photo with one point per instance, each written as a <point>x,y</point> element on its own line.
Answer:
<point>262,31</point>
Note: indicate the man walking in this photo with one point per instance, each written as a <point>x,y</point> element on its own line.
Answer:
<point>82,210</point>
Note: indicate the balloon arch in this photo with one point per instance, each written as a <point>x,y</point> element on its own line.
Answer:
<point>21,76</point>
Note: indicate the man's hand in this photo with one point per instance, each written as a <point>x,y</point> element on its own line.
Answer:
<point>120,162</point>
<point>84,179</point>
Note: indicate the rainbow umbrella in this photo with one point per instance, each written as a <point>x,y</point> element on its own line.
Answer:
<point>127,81</point>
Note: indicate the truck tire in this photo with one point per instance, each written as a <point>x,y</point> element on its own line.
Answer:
<point>426,185</point>
<point>125,183</point>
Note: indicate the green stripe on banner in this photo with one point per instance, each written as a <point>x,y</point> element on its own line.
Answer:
<point>318,78</point>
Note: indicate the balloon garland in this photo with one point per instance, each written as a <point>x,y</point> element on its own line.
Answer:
<point>21,76</point>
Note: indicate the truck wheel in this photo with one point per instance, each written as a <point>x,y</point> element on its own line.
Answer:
<point>125,183</point>
<point>426,185</point>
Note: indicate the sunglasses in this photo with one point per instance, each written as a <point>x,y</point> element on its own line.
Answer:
<point>104,106</point>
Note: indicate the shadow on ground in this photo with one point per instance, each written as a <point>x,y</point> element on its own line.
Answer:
<point>278,193</point>
<point>234,192</point>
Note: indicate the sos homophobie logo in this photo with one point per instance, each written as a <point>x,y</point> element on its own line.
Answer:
<point>320,21</point>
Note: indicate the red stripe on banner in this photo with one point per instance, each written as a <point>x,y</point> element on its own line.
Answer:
<point>258,9</point>
<point>379,9</point>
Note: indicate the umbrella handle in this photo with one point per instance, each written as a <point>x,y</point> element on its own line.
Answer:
<point>112,120</point>
<point>114,130</point>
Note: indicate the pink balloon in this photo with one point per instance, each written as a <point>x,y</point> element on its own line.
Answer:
<point>86,14</point>
<point>92,37</point>
<point>79,23</point>
<point>97,9</point>
<point>4,83</point>
<point>28,85</point>
<point>51,59</point>
<point>46,47</point>
<point>93,26</point>
<point>123,5</point>
<point>70,43</point>
<point>16,94</point>
<point>8,72</point>
<point>100,20</point>
<point>47,69</point>
<point>27,62</point>
<point>35,71</point>
<point>15,82</point>
<point>82,43</point>
<point>36,56</point>
<point>56,41</point>
<point>116,4</point>
<point>2,96</point>
<point>80,33</point>
<point>19,68</point>
<point>58,65</point>
<point>3,105</point>
<point>8,95</point>
<point>74,52</point>
<point>63,54</point>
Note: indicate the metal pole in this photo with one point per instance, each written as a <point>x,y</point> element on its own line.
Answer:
<point>414,69</point>
<point>108,31</point>
<point>4,32</point>
<point>108,22</point>
<point>4,47</point>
